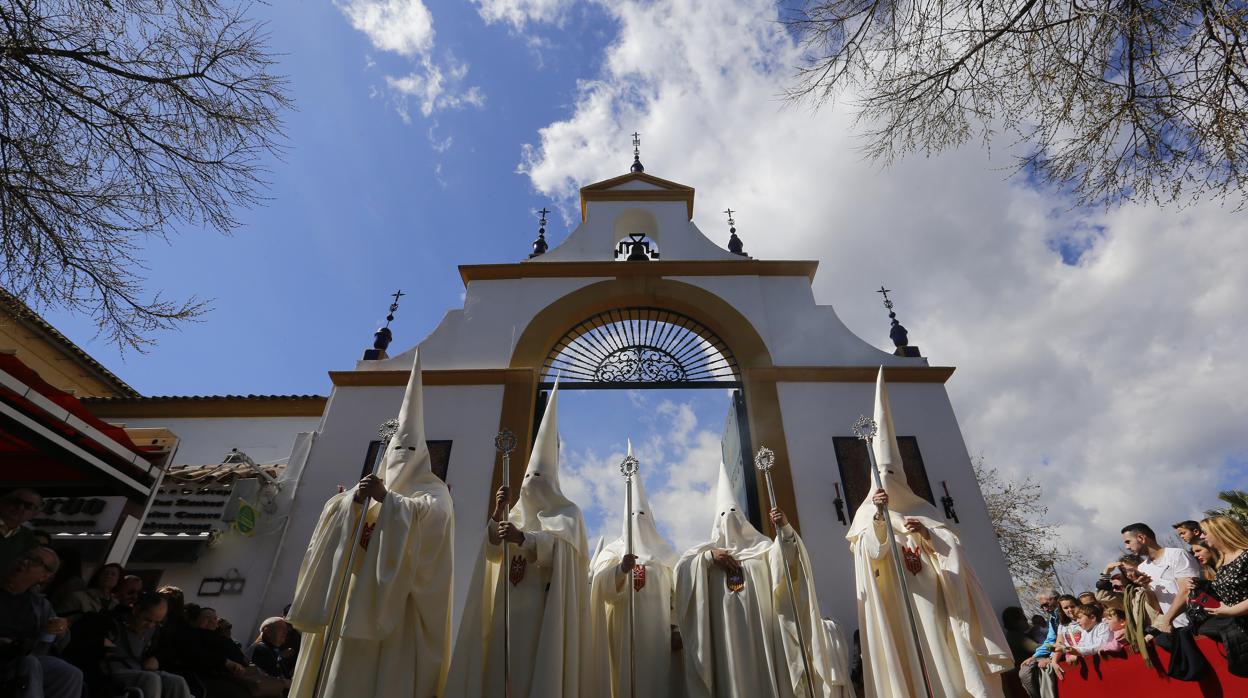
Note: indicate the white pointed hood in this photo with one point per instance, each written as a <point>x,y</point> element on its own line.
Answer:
<point>902,501</point>
<point>732,529</point>
<point>405,466</point>
<point>648,545</point>
<point>542,504</point>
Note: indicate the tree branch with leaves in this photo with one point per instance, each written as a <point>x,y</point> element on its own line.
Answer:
<point>118,121</point>
<point>1129,100</point>
<point>1029,541</point>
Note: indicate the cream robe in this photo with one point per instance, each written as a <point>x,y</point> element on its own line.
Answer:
<point>745,644</point>
<point>550,650</point>
<point>962,642</point>
<point>838,660</point>
<point>609,600</point>
<point>397,629</point>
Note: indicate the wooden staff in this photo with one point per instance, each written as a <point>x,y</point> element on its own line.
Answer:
<point>865,429</point>
<point>629,468</point>
<point>333,631</point>
<point>765,460</point>
<point>505,443</point>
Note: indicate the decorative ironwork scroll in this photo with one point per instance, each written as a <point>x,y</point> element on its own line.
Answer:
<point>640,346</point>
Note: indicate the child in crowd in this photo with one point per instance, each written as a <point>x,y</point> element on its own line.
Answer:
<point>1116,620</point>
<point>1085,637</point>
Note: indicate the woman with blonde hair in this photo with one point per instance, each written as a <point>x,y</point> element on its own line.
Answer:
<point>1228,622</point>
<point>1208,557</point>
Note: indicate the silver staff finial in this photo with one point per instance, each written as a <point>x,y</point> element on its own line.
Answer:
<point>388,429</point>
<point>628,466</point>
<point>865,428</point>
<point>505,442</point>
<point>765,459</point>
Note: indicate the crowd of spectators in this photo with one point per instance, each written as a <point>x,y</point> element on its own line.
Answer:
<point>63,636</point>
<point>1152,595</point>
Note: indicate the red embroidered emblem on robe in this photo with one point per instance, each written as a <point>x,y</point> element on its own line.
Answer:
<point>639,577</point>
<point>516,572</point>
<point>367,535</point>
<point>913,560</point>
<point>735,581</point>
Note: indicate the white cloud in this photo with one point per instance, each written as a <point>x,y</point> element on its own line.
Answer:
<point>405,27</point>
<point>428,85</point>
<point>1116,380</point>
<point>519,12</point>
<point>400,26</point>
<point>679,463</point>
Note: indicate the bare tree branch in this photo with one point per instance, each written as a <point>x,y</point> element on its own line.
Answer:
<point>1122,100</point>
<point>1028,540</point>
<point>119,120</point>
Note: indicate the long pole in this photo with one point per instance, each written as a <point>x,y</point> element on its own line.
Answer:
<point>765,460</point>
<point>505,442</point>
<point>629,468</point>
<point>898,568</point>
<point>333,631</point>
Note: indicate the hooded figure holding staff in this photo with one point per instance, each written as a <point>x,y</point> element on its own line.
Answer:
<point>549,603</point>
<point>962,643</point>
<point>391,633</point>
<point>650,571</point>
<point>733,607</point>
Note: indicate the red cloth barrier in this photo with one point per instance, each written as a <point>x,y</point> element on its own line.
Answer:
<point>1129,678</point>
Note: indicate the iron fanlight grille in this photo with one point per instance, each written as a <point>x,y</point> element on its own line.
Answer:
<point>642,346</point>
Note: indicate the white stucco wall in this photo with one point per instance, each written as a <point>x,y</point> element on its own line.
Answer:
<point>467,416</point>
<point>816,412</point>
<point>796,330</point>
<point>205,441</point>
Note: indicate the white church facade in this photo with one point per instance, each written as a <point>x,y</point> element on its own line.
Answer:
<point>635,297</point>
<point>583,310</point>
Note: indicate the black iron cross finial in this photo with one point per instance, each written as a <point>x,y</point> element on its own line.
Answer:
<point>543,213</point>
<point>885,291</point>
<point>636,143</point>
<point>729,212</point>
<point>394,306</point>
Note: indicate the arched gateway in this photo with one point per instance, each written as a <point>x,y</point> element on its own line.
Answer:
<point>637,296</point>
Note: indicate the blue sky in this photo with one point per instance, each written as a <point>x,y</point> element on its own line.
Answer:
<point>362,203</point>
<point>1092,346</point>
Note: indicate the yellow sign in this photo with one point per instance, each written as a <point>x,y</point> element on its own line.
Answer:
<point>245,522</point>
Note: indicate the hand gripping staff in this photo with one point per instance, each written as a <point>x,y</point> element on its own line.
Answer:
<point>765,460</point>
<point>628,468</point>
<point>865,428</point>
<point>333,632</point>
<point>505,443</point>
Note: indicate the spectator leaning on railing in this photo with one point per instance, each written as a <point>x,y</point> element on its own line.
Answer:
<point>1228,622</point>
<point>1168,572</point>
<point>1032,669</point>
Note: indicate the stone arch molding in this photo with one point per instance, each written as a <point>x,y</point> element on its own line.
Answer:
<point>754,362</point>
<point>549,324</point>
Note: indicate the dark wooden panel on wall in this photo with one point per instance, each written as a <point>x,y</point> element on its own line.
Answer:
<point>851,457</point>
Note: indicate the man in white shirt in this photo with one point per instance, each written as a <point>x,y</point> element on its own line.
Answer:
<point>1169,572</point>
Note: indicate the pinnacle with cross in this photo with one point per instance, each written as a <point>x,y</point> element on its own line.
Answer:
<point>637,166</point>
<point>735,245</point>
<point>885,291</point>
<point>539,245</point>
<point>898,333</point>
<point>394,306</point>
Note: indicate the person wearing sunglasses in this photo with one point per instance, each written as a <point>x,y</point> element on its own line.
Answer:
<point>16,508</point>
<point>29,627</point>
